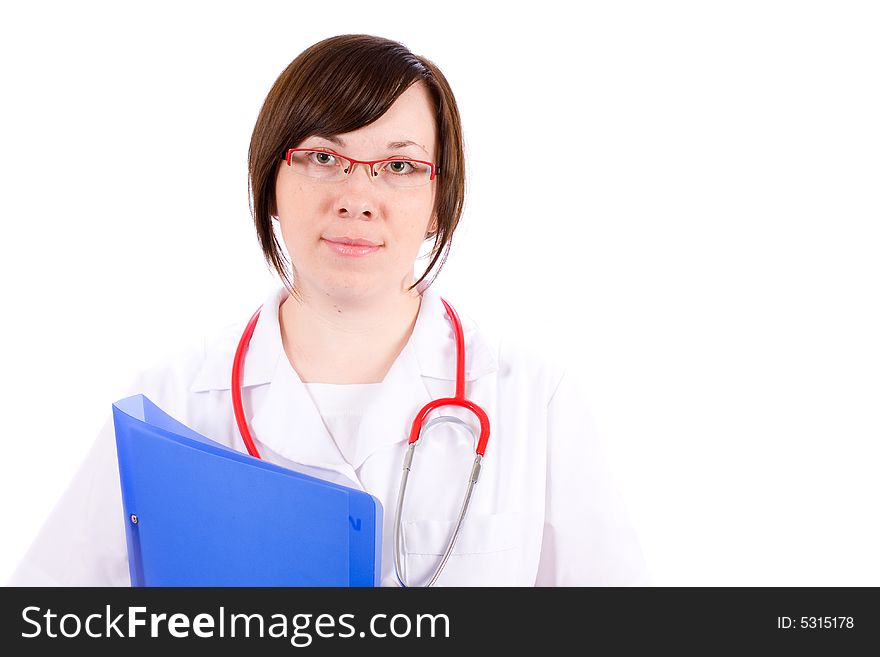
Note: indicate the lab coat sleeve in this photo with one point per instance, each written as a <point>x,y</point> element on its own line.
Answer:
<point>82,542</point>
<point>588,539</point>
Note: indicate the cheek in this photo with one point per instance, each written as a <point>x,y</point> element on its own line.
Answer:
<point>297,210</point>
<point>416,214</point>
<point>295,229</point>
<point>409,232</point>
<point>293,198</point>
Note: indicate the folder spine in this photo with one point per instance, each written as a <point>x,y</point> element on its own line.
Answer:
<point>130,515</point>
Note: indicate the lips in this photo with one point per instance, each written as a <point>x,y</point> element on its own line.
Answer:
<point>352,241</point>
<point>365,248</point>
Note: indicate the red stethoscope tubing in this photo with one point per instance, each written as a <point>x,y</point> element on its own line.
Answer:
<point>458,400</point>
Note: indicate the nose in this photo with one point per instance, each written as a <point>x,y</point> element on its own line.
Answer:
<point>356,199</point>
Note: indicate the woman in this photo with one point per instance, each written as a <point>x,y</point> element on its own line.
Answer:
<point>351,346</point>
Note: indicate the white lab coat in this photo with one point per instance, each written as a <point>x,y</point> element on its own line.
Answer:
<point>544,512</point>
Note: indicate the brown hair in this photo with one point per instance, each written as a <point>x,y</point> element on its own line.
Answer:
<point>368,73</point>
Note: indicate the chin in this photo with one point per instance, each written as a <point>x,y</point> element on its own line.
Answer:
<point>349,286</point>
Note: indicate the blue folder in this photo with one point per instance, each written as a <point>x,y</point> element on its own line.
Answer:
<point>198,513</point>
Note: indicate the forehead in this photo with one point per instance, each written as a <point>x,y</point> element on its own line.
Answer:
<point>408,123</point>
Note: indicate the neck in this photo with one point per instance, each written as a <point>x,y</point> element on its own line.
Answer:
<point>327,341</point>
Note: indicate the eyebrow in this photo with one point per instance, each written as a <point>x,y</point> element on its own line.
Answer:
<point>391,144</point>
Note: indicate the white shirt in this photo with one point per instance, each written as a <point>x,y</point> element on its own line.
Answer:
<point>544,512</point>
<point>341,406</point>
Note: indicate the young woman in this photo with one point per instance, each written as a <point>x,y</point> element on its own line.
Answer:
<point>356,159</point>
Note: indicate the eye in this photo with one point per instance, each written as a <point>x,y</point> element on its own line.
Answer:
<point>401,167</point>
<point>321,158</point>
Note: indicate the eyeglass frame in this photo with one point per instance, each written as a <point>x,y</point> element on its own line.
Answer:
<point>435,170</point>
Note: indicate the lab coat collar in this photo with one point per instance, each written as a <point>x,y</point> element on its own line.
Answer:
<point>264,350</point>
<point>287,420</point>
<point>431,340</point>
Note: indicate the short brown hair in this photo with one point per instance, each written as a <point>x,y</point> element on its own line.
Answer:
<point>367,73</point>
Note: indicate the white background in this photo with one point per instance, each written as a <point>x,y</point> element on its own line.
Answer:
<point>682,195</point>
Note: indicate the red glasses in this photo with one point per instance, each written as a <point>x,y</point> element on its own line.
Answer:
<point>329,166</point>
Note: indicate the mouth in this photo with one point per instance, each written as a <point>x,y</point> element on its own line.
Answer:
<point>351,247</point>
<point>354,241</point>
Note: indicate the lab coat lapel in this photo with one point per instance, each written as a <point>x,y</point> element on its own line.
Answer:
<point>263,352</point>
<point>400,397</point>
<point>433,342</point>
<point>285,419</point>
<point>289,423</point>
<point>429,354</point>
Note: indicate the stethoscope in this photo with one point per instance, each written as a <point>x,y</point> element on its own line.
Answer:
<point>419,427</point>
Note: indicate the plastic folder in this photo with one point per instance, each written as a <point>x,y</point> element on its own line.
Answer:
<point>198,513</point>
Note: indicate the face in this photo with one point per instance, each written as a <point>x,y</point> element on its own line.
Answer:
<point>313,213</point>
